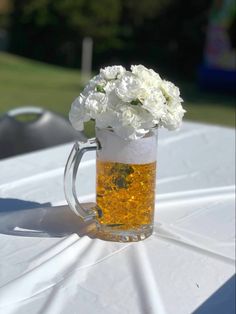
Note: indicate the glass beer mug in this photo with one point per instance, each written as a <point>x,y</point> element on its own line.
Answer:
<point>125,185</point>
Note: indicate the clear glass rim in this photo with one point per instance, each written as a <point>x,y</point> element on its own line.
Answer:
<point>153,129</point>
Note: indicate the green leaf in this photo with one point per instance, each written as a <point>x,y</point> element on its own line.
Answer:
<point>136,102</point>
<point>100,89</point>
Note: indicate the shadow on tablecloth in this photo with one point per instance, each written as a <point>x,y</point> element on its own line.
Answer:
<point>26,218</point>
<point>222,301</point>
<point>14,204</point>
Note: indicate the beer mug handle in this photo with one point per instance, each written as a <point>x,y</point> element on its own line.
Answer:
<point>71,169</point>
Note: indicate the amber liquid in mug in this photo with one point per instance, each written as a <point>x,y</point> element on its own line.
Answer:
<point>126,194</point>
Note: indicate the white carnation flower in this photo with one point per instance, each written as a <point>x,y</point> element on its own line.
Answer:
<point>78,114</point>
<point>128,116</point>
<point>170,91</point>
<point>147,76</point>
<point>95,104</point>
<point>155,103</point>
<point>110,86</point>
<point>110,91</point>
<point>131,122</point>
<point>128,88</point>
<point>173,118</point>
<point>112,72</point>
<point>106,119</point>
<point>94,84</point>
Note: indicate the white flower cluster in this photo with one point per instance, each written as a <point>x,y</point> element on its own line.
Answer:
<point>130,102</point>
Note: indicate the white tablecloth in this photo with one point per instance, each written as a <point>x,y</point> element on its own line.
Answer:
<point>185,266</point>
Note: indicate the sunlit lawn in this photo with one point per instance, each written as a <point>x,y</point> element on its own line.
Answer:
<point>25,82</point>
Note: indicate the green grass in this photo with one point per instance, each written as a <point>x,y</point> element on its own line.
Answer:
<point>26,82</point>
<point>209,107</point>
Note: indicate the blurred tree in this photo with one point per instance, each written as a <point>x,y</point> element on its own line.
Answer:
<point>89,17</point>
<point>139,11</point>
<point>49,29</point>
<point>171,35</point>
<point>5,9</point>
<point>163,32</point>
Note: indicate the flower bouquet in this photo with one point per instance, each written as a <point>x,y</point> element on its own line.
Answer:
<point>129,102</point>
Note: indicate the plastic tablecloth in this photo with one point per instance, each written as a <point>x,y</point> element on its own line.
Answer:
<point>49,265</point>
